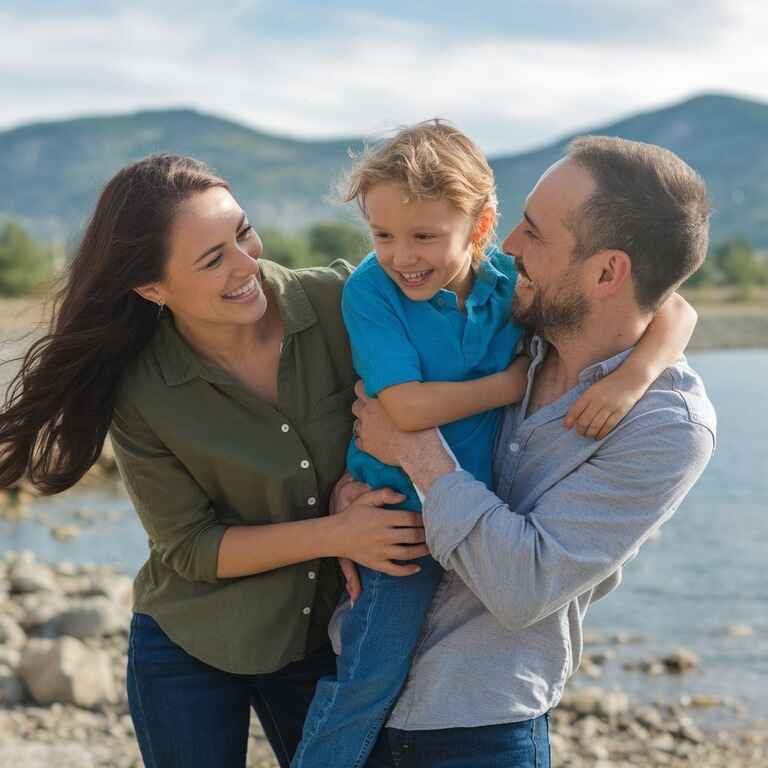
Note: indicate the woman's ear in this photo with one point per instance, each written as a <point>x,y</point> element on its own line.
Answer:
<point>151,292</point>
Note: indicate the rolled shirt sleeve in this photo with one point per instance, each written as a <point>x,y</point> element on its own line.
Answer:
<point>176,513</point>
<point>580,531</point>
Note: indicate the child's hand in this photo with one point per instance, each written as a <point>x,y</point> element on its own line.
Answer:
<point>517,374</point>
<point>604,405</point>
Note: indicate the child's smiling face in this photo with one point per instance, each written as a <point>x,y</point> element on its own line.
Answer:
<point>423,245</point>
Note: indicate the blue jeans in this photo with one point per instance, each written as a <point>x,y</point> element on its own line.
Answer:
<point>510,745</point>
<point>188,714</point>
<point>378,638</point>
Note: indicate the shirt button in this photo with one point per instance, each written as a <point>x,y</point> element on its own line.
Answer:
<point>304,464</point>
<point>306,610</point>
<point>311,501</point>
<point>311,575</point>
<point>514,447</point>
<point>285,428</point>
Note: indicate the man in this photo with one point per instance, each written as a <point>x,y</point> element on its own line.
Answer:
<point>607,234</point>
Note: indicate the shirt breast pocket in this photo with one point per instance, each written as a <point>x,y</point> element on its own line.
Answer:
<point>334,403</point>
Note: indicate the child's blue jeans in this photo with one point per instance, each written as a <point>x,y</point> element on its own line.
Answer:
<point>378,639</point>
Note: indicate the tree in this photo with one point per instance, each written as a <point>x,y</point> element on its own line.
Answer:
<point>332,240</point>
<point>740,266</point>
<point>24,264</point>
<point>288,250</point>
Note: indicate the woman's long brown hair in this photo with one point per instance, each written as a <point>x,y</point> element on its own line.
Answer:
<point>59,405</point>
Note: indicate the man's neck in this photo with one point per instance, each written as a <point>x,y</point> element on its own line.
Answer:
<point>598,339</point>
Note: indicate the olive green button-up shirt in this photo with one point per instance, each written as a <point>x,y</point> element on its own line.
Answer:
<point>198,452</point>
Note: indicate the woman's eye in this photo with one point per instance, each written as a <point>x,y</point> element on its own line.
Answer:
<point>214,262</point>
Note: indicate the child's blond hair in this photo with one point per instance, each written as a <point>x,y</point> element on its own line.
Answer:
<point>430,160</point>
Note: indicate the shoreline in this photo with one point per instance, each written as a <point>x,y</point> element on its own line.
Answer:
<point>54,614</point>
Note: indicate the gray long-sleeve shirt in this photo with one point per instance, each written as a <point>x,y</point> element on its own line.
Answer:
<point>523,564</point>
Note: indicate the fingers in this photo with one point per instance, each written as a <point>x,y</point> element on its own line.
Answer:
<point>352,578</point>
<point>597,423</point>
<point>405,519</point>
<point>352,491</point>
<point>360,392</point>
<point>610,423</point>
<point>575,411</point>
<point>586,418</point>
<point>382,496</point>
<point>393,569</point>
<point>407,552</point>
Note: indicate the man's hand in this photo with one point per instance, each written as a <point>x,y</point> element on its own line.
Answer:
<point>422,455</point>
<point>347,490</point>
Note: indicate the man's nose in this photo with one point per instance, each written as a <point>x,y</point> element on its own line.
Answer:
<point>511,244</point>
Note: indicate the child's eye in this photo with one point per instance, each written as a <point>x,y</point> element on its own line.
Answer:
<point>380,235</point>
<point>214,262</point>
<point>425,236</point>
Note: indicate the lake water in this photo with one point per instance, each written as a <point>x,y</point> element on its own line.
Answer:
<point>705,572</point>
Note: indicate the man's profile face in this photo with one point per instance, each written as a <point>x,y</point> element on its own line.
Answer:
<point>549,295</point>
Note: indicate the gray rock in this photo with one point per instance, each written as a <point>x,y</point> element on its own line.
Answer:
<point>27,577</point>
<point>11,634</point>
<point>680,660</point>
<point>11,689</point>
<point>597,701</point>
<point>66,671</point>
<point>90,617</point>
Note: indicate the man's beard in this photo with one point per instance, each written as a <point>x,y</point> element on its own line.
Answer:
<point>560,315</point>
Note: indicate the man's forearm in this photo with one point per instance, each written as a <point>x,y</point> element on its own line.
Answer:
<point>425,458</point>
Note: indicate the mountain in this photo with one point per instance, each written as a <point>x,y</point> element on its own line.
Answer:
<point>723,137</point>
<point>50,173</point>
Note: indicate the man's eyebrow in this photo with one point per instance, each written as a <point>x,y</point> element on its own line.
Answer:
<point>531,223</point>
<point>220,245</point>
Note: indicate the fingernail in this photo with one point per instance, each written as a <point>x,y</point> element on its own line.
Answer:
<point>352,603</point>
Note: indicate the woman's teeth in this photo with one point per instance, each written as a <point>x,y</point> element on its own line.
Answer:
<point>249,287</point>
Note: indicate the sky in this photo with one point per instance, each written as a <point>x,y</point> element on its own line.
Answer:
<point>513,75</point>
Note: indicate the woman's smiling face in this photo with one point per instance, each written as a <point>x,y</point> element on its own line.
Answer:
<point>212,275</point>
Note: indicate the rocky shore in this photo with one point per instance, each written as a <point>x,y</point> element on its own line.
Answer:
<point>63,645</point>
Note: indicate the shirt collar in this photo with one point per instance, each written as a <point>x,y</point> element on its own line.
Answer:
<point>487,276</point>
<point>180,364</point>
<point>591,373</point>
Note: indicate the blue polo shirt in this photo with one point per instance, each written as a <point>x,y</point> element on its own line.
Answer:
<point>396,340</point>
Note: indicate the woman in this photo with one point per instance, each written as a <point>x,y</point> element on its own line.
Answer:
<point>226,382</point>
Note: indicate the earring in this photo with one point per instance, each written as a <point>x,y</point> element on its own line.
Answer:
<point>161,304</point>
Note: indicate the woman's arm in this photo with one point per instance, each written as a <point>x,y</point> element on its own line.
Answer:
<point>606,403</point>
<point>418,405</point>
<point>363,532</point>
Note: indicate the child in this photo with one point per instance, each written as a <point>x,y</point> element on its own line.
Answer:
<point>428,315</point>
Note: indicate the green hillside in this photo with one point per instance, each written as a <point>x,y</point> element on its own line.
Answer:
<point>50,173</point>
<point>724,138</point>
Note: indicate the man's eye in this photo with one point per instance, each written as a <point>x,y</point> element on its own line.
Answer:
<point>529,234</point>
<point>214,262</point>
<point>245,232</point>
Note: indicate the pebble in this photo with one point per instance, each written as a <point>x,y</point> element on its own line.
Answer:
<point>591,728</point>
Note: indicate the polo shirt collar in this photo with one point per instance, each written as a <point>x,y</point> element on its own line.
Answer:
<point>179,363</point>
<point>487,278</point>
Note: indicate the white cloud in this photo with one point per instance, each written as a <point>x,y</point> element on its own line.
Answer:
<point>362,73</point>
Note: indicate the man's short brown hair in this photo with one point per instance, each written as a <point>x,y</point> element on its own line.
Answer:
<point>648,203</point>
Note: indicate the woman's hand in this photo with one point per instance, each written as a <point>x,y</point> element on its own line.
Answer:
<point>374,537</point>
<point>347,490</point>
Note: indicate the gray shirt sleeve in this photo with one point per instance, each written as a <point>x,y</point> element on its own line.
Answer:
<point>580,530</point>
